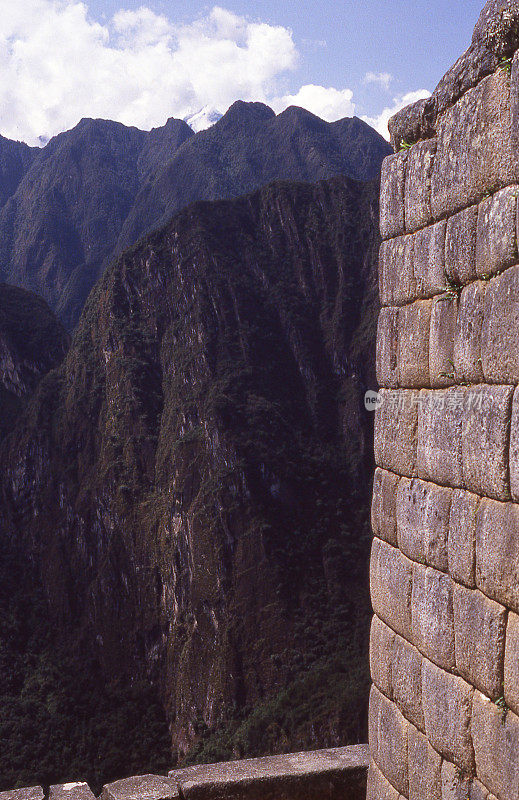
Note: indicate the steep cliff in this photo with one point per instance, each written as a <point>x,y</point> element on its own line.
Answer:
<point>192,483</point>
<point>95,189</point>
<point>32,342</point>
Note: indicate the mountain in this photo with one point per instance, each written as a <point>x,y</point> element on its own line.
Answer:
<point>204,118</point>
<point>32,342</point>
<point>15,160</point>
<point>96,189</point>
<point>190,487</point>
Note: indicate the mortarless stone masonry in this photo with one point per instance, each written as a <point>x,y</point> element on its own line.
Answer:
<point>444,709</point>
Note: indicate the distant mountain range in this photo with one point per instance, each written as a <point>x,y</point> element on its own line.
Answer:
<point>67,209</point>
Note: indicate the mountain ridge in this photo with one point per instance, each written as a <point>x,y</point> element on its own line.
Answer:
<point>95,190</point>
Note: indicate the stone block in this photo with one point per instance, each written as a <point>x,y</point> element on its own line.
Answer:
<point>383,506</point>
<point>438,457</point>
<point>485,436</point>
<point>429,260</point>
<point>496,246</point>
<point>332,774</point>
<point>460,246</point>
<point>418,184</point>
<point>388,731</point>
<point>396,276</point>
<point>141,787</point>
<point>496,745</point>
<point>71,791</point>
<point>432,615</point>
<point>379,787</point>
<point>479,628</point>
<point>414,324</point>
<point>447,702</point>
<point>444,323</point>
<point>461,546</point>
<point>387,348</point>
<point>500,330</point>
<point>514,448</point>
<point>456,785</point>
<point>396,670</point>
<point>422,514</point>
<point>467,340</point>
<point>396,424</point>
<point>381,643</point>
<point>391,578</point>
<point>392,207</point>
<point>29,793</point>
<point>497,552</point>
<point>474,151</point>
<point>424,768</point>
<point>511,676</point>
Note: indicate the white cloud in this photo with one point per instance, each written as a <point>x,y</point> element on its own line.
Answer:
<point>59,65</point>
<point>382,78</point>
<point>380,122</point>
<point>328,103</point>
<point>138,67</point>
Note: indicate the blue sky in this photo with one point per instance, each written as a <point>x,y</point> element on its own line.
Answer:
<point>141,61</point>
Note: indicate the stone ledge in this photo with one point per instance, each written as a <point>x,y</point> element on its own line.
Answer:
<point>333,774</point>
<point>330,774</point>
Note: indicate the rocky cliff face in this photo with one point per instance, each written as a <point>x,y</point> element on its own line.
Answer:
<point>32,342</point>
<point>192,482</point>
<point>96,189</point>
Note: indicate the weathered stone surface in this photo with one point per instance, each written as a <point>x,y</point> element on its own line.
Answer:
<point>418,185</point>
<point>424,768</point>
<point>388,731</point>
<point>485,435</point>
<point>447,702</point>
<point>497,552</point>
<point>461,545</point>
<point>467,344</point>
<point>141,787</point>
<point>30,793</point>
<point>479,627</point>
<point>387,348</point>
<point>496,745</point>
<point>414,323</point>
<point>460,246</point>
<point>381,643</point>
<point>498,27</point>
<point>379,787</point>
<point>412,123</point>
<point>514,448</point>
<point>439,457</point>
<point>444,322</point>
<point>422,513</point>
<point>391,587</point>
<point>475,63</point>
<point>396,424</point>
<point>511,679</point>
<point>500,331</point>
<point>383,506</point>
<point>332,774</point>
<point>396,670</point>
<point>429,260</point>
<point>71,791</point>
<point>459,786</point>
<point>496,247</point>
<point>392,214</point>
<point>474,153</point>
<point>396,276</point>
<point>433,616</point>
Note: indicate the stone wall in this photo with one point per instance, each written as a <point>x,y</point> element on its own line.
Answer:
<point>444,707</point>
<point>334,774</point>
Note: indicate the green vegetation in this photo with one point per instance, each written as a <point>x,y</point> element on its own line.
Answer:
<point>60,720</point>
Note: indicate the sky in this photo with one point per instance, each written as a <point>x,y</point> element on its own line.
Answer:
<point>142,61</point>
